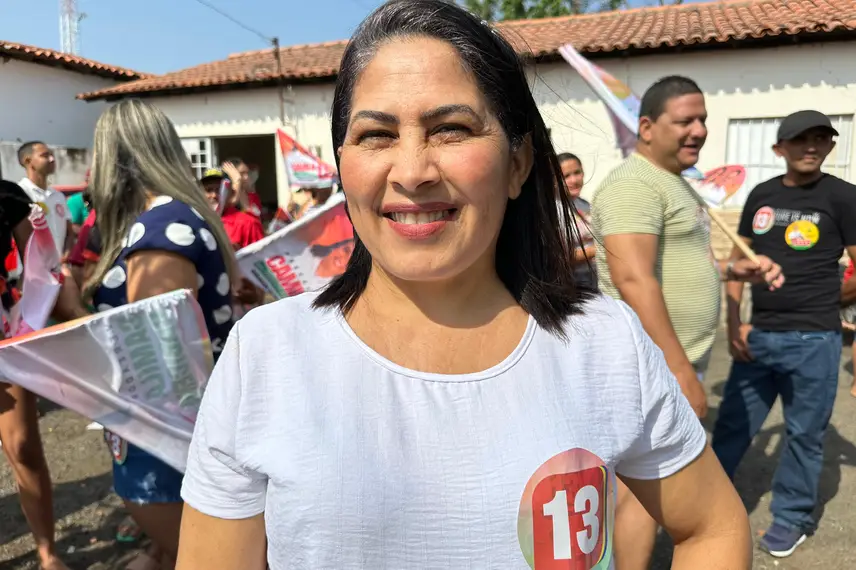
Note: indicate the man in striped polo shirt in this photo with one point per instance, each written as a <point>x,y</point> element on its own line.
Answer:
<point>656,257</point>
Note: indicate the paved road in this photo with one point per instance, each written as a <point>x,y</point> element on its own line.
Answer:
<point>88,512</point>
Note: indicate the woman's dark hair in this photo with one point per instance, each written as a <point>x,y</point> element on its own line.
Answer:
<point>534,254</point>
<point>568,156</point>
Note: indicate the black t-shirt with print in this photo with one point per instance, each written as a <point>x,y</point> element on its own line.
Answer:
<point>14,207</point>
<point>805,230</point>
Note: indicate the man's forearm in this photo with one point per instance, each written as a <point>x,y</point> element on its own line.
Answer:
<point>583,254</point>
<point>645,296</point>
<point>733,299</point>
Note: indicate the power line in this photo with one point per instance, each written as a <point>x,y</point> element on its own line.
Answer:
<point>274,42</point>
<point>236,21</point>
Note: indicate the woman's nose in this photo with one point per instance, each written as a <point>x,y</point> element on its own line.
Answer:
<point>414,166</point>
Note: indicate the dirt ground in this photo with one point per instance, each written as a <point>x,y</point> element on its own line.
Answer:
<point>88,512</point>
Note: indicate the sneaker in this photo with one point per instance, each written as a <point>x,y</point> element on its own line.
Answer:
<point>780,541</point>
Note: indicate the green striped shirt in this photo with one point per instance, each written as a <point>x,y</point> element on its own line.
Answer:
<point>640,198</point>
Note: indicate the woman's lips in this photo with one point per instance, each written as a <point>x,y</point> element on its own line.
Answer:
<point>419,222</point>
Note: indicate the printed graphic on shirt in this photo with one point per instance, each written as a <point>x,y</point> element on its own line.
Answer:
<point>567,513</point>
<point>802,234</point>
<point>781,217</point>
<point>764,219</point>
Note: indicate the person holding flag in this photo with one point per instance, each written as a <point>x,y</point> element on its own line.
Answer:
<point>656,257</point>
<point>804,219</point>
<point>19,417</point>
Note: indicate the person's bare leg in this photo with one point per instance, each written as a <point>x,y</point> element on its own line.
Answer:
<point>161,523</point>
<point>22,443</point>
<point>635,532</point>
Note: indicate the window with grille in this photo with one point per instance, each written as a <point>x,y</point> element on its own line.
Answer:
<point>750,144</point>
<point>201,154</point>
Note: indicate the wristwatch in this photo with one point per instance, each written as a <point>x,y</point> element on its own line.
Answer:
<point>729,272</point>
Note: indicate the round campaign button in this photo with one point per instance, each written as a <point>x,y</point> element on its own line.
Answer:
<point>567,513</point>
<point>763,220</point>
<point>802,235</point>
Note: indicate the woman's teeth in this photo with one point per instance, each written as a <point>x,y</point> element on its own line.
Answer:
<point>417,218</point>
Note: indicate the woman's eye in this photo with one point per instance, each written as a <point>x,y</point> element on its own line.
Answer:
<point>451,131</point>
<point>374,136</point>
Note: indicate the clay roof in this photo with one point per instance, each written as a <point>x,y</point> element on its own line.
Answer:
<point>68,61</point>
<point>625,31</point>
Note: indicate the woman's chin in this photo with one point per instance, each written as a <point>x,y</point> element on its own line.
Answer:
<point>420,271</point>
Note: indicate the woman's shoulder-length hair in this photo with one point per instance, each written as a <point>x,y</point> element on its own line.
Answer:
<point>535,252</point>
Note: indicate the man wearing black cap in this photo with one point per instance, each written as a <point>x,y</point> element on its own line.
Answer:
<point>803,220</point>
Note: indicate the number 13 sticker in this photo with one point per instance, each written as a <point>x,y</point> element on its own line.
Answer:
<point>566,514</point>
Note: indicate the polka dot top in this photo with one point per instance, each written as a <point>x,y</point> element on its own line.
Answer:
<point>173,226</point>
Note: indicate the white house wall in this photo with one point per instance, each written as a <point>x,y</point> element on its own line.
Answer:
<point>256,112</point>
<point>739,84</point>
<point>39,102</point>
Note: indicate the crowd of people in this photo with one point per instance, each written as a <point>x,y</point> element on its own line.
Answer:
<point>555,351</point>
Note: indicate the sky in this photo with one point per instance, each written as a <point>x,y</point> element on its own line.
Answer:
<point>157,36</point>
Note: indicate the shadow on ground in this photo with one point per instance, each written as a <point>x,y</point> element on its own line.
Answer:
<point>755,475</point>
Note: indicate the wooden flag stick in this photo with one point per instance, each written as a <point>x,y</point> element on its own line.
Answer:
<point>726,229</point>
<point>731,234</point>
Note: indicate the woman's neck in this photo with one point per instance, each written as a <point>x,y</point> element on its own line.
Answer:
<point>467,300</point>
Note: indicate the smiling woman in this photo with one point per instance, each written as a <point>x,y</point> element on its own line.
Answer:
<point>454,399</point>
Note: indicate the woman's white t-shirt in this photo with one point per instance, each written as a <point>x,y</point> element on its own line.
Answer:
<point>357,462</point>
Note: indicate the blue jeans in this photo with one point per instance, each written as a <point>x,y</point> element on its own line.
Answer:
<point>142,478</point>
<point>802,368</point>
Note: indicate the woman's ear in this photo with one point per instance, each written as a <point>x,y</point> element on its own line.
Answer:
<point>522,158</point>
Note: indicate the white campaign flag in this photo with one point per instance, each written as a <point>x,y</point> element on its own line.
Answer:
<point>303,256</point>
<point>139,370</point>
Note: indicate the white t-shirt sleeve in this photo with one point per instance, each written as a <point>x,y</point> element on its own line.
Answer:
<point>220,480</point>
<point>671,436</point>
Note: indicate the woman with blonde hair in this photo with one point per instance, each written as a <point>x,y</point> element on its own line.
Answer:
<point>158,234</point>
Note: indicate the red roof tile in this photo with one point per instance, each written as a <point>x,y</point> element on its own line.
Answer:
<point>627,30</point>
<point>68,61</point>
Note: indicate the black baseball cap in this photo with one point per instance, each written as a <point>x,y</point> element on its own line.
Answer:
<point>797,123</point>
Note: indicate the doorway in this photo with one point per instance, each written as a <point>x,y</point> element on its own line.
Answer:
<point>258,152</point>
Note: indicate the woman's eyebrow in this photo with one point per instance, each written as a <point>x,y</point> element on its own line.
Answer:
<point>444,110</point>
<point>378,116</point>
<point>427,116</point>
